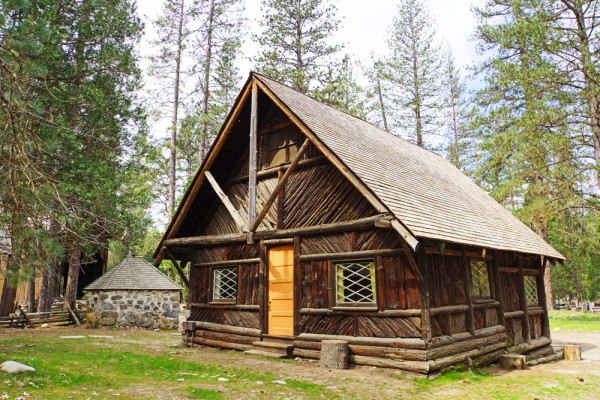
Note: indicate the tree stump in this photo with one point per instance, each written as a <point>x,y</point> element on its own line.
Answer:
<point>572,352</point>
<point>334,354</point>
<point>513,361</point>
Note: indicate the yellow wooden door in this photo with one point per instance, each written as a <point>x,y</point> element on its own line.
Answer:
<point>281,291</point>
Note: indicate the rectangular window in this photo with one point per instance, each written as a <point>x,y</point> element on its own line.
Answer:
<point>282,146</point>
<point>225,284</point>
<point>531,294</point>
<point>355,282</point>
<point>479,278</point>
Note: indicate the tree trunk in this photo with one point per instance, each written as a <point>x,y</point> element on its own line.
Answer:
<point>50,283</point>
<point>206,81</point>
<point>73,276</point>
<point>7,299</point>
<point>31,292</point>
<point>174,118</point>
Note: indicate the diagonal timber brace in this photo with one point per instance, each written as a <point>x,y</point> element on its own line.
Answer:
<point>226,202</point>
<point>280,185</point>
<point>182,275</point>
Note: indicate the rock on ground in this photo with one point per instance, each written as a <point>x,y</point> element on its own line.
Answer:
<point>13,367</point>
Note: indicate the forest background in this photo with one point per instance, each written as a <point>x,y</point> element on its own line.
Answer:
<point>104,121</point>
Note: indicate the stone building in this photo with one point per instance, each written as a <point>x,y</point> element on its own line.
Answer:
<point>134,294</point>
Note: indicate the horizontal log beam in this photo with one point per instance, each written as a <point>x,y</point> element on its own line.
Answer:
<point>486,304</point>
<point>271,172</point>
<point>527,347</point>
<point>459,337</point>
<point>449,310</point>
<point>239,307</point>
<point>351,255</point>
<point>228,262</point>
<point>514,314</point>
<point>386,313</point>
<point>236,330</point>
<point>200,241</point>
<point>508,270</point>
<point>408,343</point>
<point>456,253</point>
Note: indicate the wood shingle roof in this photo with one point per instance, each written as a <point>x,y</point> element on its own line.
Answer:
<point>133,273</point>
<point>430,196</point>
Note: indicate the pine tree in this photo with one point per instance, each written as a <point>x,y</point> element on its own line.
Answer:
<point>294,46</point>
<point>531,163</point>
<point>376,94</point>
<point>413,73</point>
<point>342,91</point>
<point>459,140</point>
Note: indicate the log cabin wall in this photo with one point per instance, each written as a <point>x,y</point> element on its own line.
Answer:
<point>397,312</point>
<point>245,310</point>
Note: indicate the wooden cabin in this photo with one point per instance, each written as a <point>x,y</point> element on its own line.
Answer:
<point>305,223</point>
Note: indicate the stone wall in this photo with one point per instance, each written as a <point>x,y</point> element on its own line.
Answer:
<point>134,308</point>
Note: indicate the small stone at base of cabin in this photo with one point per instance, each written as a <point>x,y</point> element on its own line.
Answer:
<point>44,326</point>
<point>260,383</point>
<point>13,367</point>
<point>298,359</point>
<point>157,330</point>
<point>279,382</point>
<point>223,379</point>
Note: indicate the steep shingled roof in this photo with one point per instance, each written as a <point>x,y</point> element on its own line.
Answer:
<point>133,273</point>
<point>430,196</point>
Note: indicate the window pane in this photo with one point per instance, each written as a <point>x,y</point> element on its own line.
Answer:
<point>355,282</point>
<point>225,283</point>
<point>479,277</point>
<point>531,290</point>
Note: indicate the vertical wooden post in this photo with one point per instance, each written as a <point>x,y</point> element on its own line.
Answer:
<point>297,283</point>
<point>263,286</point>
<point>252,157</point>
<point>498,286</point>
<point>468,291</point>
<point>280,203</point>
<point>539,279</point>
<point>425,301</point>
<point>523,301</point>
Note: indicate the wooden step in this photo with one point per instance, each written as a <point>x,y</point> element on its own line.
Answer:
<point>277,339</point>
<point>265,353</point>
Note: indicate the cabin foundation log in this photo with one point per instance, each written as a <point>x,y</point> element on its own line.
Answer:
<point>408,343</point>
<point>527,347</point>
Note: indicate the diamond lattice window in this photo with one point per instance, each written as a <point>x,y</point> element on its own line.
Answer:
<point>531,290</point>
<point>225,283</point>
<point>479,276</point>
<point>355,282</point>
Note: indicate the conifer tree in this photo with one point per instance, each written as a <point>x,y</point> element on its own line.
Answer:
<point>342,91</point>
<point>413,73</point>
<point>294,43</point>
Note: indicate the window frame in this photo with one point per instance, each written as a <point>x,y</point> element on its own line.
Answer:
<point>334,282</point>
<point>478,297</point>
<point>213,270</point>
<point>535,287</point>
<point>267,150</point>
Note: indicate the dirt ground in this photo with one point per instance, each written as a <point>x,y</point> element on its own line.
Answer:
<point>378,383</point>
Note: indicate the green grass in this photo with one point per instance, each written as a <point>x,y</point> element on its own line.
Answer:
<point>574,321</point>
<point>76,368</point>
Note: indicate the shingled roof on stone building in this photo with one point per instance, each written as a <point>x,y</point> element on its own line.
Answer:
<point>133,273</point>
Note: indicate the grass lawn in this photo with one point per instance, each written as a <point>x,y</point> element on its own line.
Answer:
<point>149,365</point>
<point>574,321</point>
